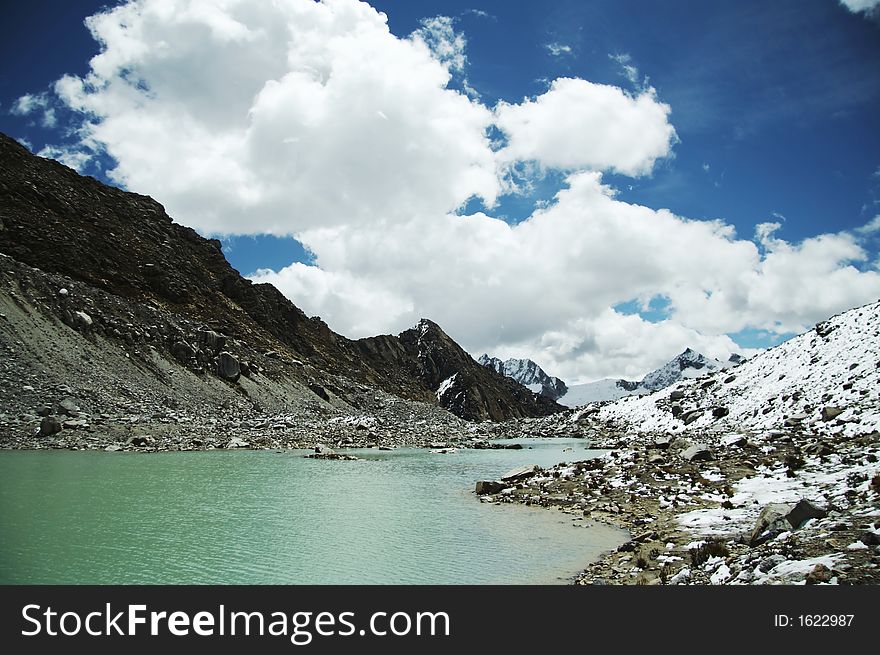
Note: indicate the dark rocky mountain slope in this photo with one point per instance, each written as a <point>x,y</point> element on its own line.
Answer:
<point>139,280</point>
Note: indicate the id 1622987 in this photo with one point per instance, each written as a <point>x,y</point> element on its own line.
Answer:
<point>813,620</point>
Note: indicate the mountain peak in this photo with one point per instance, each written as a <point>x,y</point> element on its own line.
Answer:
<point>528,374</point>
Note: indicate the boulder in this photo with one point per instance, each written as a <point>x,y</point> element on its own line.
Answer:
<point>321,449</point>
<point>49,426</point>
<point>676,409</point>
<point>68,406</point>
<point>520,473</point>
<point>228,367</point>
<point>770,562</point>
<point>829,413</point>
<point>779,517</point>
<point>334,456</point>
<point>802,511</point>
<point>770,521</point>
<point>820,574</point>
<point>236,442</point>
<point>182,352</point>
<point>795,420</point>
<point>485,487</point>
<point>818,448</point>
<point>697,452</point>
<point>213,341</point>
<point>720,412</point>
<point>83,320</point>
<point>691,416</point>
<point>140,441</point>
<point>678,394</point>
<point>825,328</point>
<point>319,391</point>
<point>662,443</point>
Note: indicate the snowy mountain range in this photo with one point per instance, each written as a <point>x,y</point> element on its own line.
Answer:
<point>528,374</point>
<point>688,364</point>
<point>825,379</point>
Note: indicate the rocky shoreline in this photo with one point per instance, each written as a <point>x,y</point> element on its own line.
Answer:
<point>782,507</point>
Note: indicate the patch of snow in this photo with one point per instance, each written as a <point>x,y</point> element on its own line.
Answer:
<point>446,385</point>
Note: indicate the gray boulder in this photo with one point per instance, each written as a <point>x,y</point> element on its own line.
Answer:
<point>68,406</point>
<point>829,413</point>
<point>691,416</point>
<point>697,452</point>
<point>228,367</point>
<point>795,420</point>
<point>770,562</point>
<point>485,487</point>
<point>662,443</point>
<point>779,517</point>
<point>802,511</point>
<point>83,320</point>
<point>182,352</point>
<point>678,394</point>
<point>213,341</point>
<point>520,473</point>
<point>720,412</point>
<point>48,426</point>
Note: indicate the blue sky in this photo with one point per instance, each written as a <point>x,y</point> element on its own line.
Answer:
<point>776,108</point>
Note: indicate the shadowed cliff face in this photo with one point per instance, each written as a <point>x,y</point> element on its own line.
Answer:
<point>125,244</point>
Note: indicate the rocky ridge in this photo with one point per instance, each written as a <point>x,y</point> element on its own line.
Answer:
<point>159,310</point>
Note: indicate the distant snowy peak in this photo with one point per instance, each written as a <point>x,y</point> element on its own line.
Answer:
<point>528,374</point>
<point>689,364</point>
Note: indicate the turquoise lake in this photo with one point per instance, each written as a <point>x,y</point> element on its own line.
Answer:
<point>262,517</point>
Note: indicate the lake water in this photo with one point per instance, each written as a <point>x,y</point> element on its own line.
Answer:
<point>261,517</point>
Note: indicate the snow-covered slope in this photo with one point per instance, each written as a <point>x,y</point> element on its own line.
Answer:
<point>689,364</point>
<point>827,379</point>
<point>591,392</point>
<point>528,374</point>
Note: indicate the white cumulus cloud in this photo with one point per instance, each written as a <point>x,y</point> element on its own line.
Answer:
<point>545,287</point>
<point>312,119</point>
<point>274,117</point>
<point>579,124</point>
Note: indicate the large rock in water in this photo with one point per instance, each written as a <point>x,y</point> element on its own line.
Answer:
<point>520,473</point>
<point>485,487</point>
